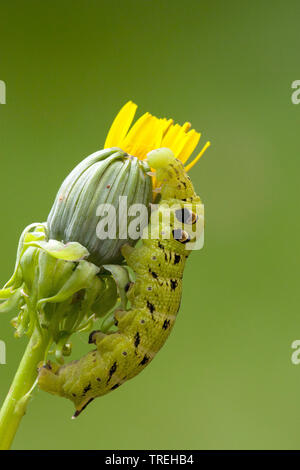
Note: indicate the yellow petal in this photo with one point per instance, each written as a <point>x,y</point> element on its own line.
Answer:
<point>190,165</point>
<point>149,133</point>
<point>120,126</point>
<point>166,124</point>
<point>145,135</point>
<point>191,141</point>
<point>186,126</point>
<point>174,139</point>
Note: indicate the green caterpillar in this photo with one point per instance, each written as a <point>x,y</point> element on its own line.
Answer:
<point>154,297</point>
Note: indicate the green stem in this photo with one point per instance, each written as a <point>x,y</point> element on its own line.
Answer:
<point>15,404</point>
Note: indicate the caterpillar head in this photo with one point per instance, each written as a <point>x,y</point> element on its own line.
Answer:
<point>170,172</point>
<point>181,213</point>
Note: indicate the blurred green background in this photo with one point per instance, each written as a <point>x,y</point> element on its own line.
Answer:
<point>225,378</point>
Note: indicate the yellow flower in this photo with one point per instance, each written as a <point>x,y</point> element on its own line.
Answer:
<point>150,132</point>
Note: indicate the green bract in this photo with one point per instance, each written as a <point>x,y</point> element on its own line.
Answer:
<point>56,291</point>
<point>100,179</point>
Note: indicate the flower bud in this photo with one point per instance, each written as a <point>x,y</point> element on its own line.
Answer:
<point>101,179</point>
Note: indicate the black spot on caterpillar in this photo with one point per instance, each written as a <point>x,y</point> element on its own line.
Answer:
<point>150,306</point>
<point>137,340</point>
<point>87,388</point>
<point>153,274</point>
<point>144,360</point>
<point>115,386</point>
<point>166,324</point>
<point>154,298</point>
<point>112,370</point>
<point>177,258</point>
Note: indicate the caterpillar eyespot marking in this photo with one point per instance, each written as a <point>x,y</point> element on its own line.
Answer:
<point>186,216</point>
<point>181,235</point>
<point>194,218</point>
<point>154,300</point>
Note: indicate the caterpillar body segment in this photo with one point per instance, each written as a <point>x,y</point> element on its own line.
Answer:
<point>154,298</point>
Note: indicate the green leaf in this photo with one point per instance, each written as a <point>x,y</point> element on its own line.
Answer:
<point>12,303</point>
<point>79,279</point>
<point>72,251</point>
<point>121,276</point>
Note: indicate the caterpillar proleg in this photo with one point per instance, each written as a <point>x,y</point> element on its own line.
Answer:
<point>154,296</point>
